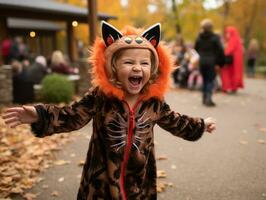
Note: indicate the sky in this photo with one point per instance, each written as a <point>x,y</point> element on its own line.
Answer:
<point>211,4</point>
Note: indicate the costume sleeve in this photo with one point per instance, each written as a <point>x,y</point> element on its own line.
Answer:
<point>55,119</point>
<point>180,125</point>
<point>219,52</point>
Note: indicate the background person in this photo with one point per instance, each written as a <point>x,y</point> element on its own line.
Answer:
<point>209,47</point>
<point>232,72</point>
<point>252,55</point>
<point>60,65</point>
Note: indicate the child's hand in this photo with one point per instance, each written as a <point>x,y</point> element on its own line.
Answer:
<point>20,115</point>
<point>210,124</point>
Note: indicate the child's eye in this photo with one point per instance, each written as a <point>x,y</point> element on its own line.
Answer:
<point>128,62</point>
<point>145,63</point>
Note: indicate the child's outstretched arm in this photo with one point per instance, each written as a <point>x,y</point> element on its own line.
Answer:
<point>46,119</point>
<point>20,115</point>
<point>183,126</point>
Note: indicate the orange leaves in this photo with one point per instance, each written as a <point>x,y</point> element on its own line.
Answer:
<point>161,174</point>
<point>23,156</point>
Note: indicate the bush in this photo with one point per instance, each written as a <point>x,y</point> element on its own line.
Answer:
<point>56,89</point>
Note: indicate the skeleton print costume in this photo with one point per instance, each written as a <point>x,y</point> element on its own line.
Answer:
<point>120,161</point>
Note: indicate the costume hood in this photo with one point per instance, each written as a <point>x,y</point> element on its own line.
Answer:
<point>130,37</point>
<point>233,41</point>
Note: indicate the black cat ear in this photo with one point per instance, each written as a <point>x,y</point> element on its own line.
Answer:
<point>109,33</point>
<point>153,34</point>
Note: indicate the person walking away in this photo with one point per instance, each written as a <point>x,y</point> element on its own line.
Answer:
<point>232,72</point>
<point>210,49</point>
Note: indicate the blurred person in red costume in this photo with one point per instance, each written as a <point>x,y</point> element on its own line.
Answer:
<point>232,72</point>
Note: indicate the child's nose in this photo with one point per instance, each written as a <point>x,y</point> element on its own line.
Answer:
<point>136,67</point>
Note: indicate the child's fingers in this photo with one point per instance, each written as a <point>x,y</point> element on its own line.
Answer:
<point>8,115</point>
<point>11,120</point>
<point>212,126</point>
<point>14,109</point>
<point>14,124</point>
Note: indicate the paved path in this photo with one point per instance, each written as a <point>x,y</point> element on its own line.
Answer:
<point>228,165</point>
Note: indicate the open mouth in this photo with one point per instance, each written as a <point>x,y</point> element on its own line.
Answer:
<point>135,80</point>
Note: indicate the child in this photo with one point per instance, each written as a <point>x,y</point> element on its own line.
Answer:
<point>194,78</point>
<point>131,72</point>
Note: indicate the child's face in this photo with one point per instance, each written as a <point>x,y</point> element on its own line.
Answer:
<point>133,68</point>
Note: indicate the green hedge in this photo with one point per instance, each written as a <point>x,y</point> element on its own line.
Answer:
<point>56,89</point>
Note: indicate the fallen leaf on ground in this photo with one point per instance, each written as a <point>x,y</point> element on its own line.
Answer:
<point>160,187</point>
<point>23,156</point>
<point>173,166</point>
<point>45,186</point>
<point>261,141</point>
<point>244,142</point>
<point>30,196</point>
<point>81,163</point>
<point>162,158</point>
<point>161,174</point>
<point>55,193</point>
<point>72,155</point>
<point>61,179</point>
<point>262,130</point>
<point>170,184</point>
<point>61,162</point>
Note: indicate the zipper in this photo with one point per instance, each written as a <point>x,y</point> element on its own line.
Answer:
<point>127,147</point>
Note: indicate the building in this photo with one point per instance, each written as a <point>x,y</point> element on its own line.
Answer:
<point>40,21</point>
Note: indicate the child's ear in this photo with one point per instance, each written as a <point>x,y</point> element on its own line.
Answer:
<point>153,34</point>
<point>109,33</point>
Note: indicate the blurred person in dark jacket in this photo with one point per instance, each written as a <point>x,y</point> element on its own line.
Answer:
<point>22,88</point>
<point>211,52</point>
<point>38,70</point>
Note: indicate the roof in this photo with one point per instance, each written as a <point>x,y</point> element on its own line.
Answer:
<point>41,8</point>
<point>33,24</point>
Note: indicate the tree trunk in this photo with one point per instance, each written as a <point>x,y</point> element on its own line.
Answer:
<point>226,4</point>
<point>250,23</point>
<point>176,17</point>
